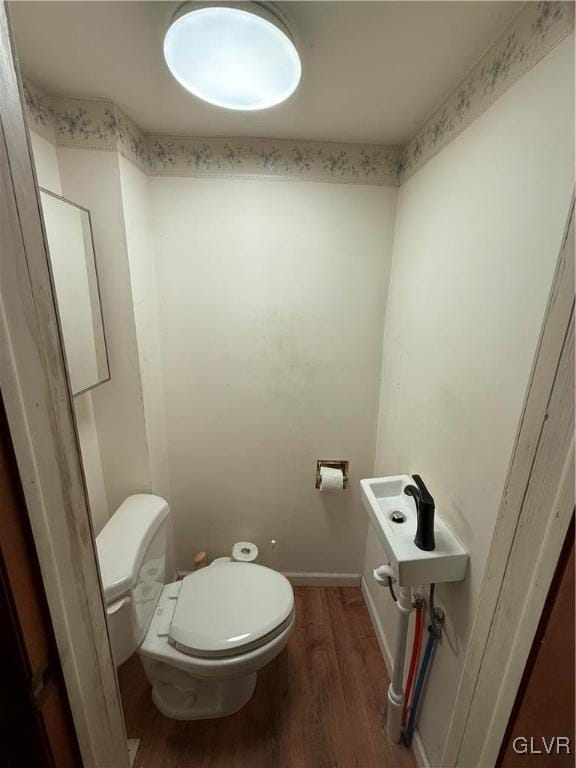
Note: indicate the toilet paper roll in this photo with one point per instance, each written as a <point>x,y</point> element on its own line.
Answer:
<point>331,479</point>
<point>244,551</point>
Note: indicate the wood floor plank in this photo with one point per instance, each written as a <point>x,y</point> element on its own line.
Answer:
<point>320,704</point>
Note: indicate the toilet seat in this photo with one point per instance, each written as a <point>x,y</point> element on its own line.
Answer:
<point>157,651</point>
<point>244,605</point>
<point>230,608</point>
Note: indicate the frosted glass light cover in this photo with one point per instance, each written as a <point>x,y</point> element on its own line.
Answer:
<point>232,58</point>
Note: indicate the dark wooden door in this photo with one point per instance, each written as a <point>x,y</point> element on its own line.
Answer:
<point>35,719</point>
<point>541,728</point>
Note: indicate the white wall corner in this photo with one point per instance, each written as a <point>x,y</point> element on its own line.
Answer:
<point>137,219</point>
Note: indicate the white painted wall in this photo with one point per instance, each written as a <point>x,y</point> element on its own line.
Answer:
<point>271,301</point>
<point>48,173</point>
<point>478,233</point>
<point>46,162</point>
<point>135,187</point>
<point>92,179</point>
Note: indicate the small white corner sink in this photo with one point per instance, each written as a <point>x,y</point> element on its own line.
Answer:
<point>382,496</point>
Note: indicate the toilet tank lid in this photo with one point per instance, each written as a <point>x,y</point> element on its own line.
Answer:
<point>122,543</point>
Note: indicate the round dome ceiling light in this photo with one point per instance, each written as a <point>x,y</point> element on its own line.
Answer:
<point>233,55</point>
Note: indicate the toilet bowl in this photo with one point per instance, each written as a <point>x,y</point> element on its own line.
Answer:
<point>201,640</point>
<point>211,634</point>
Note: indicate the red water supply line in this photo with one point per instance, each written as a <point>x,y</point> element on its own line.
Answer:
<point>414,659</point>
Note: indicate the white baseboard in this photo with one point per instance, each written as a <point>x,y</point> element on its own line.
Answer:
<point>312,579</point>
<point>417,745</point>
<point>419,751</point>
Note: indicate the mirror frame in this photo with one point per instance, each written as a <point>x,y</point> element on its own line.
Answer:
<point>98,292</point>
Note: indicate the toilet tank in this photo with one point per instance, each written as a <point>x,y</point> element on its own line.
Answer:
<point>136,560</point>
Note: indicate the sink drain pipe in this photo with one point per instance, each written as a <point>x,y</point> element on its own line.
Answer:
<point>395,690</point>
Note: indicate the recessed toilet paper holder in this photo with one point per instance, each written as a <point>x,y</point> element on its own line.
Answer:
<point>334,464</point>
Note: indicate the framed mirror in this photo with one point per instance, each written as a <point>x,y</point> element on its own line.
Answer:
<point>73,264</point>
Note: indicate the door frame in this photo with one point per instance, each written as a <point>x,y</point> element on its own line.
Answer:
<point>38,722</point>
<point>40,415</point>
<point>535,512</point>
<point>39,408</point>
<point>551,623</point>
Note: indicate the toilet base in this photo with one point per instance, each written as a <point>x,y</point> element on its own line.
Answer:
<point>203,699</point>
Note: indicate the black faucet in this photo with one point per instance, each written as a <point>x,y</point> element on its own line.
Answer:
<point>424,538</point>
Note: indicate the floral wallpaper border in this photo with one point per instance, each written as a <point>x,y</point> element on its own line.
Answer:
<point>85,124</point>
<point>534,32</point>
<point>101,124</point>
<point>276,158</point>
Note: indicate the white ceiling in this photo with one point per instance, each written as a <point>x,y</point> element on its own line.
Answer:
<point>371,71</point>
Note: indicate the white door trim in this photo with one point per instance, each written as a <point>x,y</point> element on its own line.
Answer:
<point>38,405</point>
<point>528,577</point>
<point>527,538</point>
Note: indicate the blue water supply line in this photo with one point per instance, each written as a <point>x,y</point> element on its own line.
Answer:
<point>432,640</point>
<point>433,637</point>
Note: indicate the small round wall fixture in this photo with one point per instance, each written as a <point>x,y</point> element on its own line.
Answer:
<point>233,55</point>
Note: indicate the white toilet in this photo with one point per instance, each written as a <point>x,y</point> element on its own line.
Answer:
<point>201,640</point>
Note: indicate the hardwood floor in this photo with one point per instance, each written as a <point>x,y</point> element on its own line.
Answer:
<point>320,704</point>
